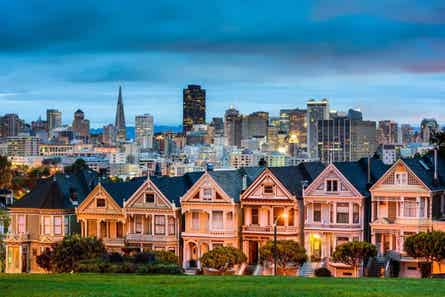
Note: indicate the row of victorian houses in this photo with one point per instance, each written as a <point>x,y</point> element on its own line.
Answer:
<point>326,205</point>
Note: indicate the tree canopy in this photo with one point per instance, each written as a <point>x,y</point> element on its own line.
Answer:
<point>288,252</point>
<point>354,252</point>
<point>5,173</point>
<point>427,245</point>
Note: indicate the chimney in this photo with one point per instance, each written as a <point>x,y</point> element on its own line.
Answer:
<point>244,182</point>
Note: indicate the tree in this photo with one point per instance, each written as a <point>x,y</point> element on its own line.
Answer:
<point>288,252</point>
<point>354,253</point>
<point>67,253</point>
<point>223,258</point>
<point>77,166</point>
<point>438,139</point>
<point>426,245</point>
<point>4,222</point>
<point>5,172</point>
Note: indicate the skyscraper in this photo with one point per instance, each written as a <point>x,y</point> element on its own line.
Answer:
<point>53,118</point>
<point>255,125</point>
<point>81,126</point>
<point>428,127</point>
<point>144,131</point>
<point>388,132</point>
<point>294,123</point>
<point>11,125</point>
<point>232,127</point>
<point>194,107</point>
<point>120,119</point>
<point>316,111</point>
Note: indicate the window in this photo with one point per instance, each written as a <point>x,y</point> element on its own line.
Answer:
<point>254,216</point>
<point>100,202</point>
<point>138,224</point>
<point>217,220</point>
<point>401,178</point>
<point>171,226</point>
<point>66,225</point>
<point>341,240</point>
<point>355,214</point>
<point>148,225</point>
<point>268,189</point>
<point>290,217</point>
<point>46,225</point>
<point>409,207</point>
<point>58,225</point>
<point>278,213</point>
<point>331,185</point>
<point>160,225</point>
<point>195,220</point>
<point>342,213</point>
<point>21,224</point>
<point>317,212</point>
<point>207,194</point>
<point>149,197</point>
<point>422,206</point>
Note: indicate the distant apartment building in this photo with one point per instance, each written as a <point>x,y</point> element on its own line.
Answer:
<point>316,111</point>
<point>387,132</point>
<point>81,126</point>
<point>23,146</point>
<point>53,118</point>
<point>11,125</point>
<point>144,131</point>
<point>194,107</point>
<point>108,135</point>
<point>255,125</point>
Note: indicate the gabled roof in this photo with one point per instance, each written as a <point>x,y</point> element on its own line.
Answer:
<point>174,187</point>
<point>55,192</point>
<point>423,168</point>
<point>293,177</point>
<point>122,191</point>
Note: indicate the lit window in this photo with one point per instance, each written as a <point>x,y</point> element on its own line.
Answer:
<point>401,178</point>
<point>332,185</point>
<point>58,225</point>
<point>100,203</point>
<point>149,198</point>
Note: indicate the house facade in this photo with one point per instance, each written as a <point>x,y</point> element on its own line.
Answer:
<point>409,198</point>
<point>43,217</point>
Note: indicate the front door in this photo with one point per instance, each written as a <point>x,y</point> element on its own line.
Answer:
<point>24,258</point>
<point>315,245</point>
<point>253,252</point>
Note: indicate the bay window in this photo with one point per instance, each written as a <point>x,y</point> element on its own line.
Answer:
<point>58,225</point>
<point>342,213</point>
<point>160,225</point>
<point>355,213</point>
<point>217,220</point>
<point>46,225</point>
<point>171,226</point>
<point>409,207</point>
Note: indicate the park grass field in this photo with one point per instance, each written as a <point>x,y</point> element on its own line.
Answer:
<point>206,286</point>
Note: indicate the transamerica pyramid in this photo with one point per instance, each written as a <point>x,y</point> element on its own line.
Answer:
<point>120,119</point>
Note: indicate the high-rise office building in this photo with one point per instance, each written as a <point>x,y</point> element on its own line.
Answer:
<point>343,139</point>
<point>387,132</point>
<point>120,128</point>
<point>108,135</point>
<point>255,125</point>
<point>81,126</point>
<point>355,114</point>
<point>428,127</point>
<point>218,126</point>
<point>294,123</point>
<point>407,133</point>
<point>53,118</point>
<point>316,110</point>
<point>144,131</point>
<point>232,127</point>
<point>11,125</point>
<point>194,107</point>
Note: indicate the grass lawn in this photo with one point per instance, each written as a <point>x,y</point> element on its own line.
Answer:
<point>206,286</point>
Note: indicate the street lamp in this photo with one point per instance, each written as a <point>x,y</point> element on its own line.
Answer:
<point>275,254</point>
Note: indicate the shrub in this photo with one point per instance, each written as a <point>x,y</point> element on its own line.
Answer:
<point>425,269</point>
<point>395,268</point>
<point>288,252</point>
<point>166,257</point>
<point>115,258</point>
<point>223,258</point>
<point>67,253</point>
<point>144,258</point>
<point>322,272</point>
<point>44,260</point>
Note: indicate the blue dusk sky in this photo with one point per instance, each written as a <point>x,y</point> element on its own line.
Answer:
<point>385,57</point>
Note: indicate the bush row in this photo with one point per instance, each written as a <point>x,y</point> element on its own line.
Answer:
<point>128,267</point>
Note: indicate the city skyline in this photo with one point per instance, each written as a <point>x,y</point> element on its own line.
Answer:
<point>259,57</point>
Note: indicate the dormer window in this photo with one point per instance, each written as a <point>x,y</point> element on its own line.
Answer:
<point>401,178</point>
<point>331,185</point>
<point>268,189</point>
<point>207,194</point>
<point>149,197</point>
<point>100,202</point>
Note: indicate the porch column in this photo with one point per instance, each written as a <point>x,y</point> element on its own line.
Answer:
<point>271,220</point>
<point>143,224</point>
<point>153,225</point>
<point>334,212</point>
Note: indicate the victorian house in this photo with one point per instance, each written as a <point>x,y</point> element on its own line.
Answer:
<point>409,198</point>
<point>212,214</point>
<point>337,206</point>
<point>275,197</point>
<point>141,214</point>
<point>43,217</point>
